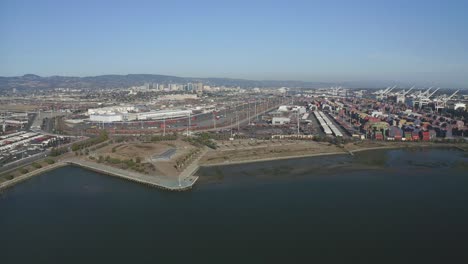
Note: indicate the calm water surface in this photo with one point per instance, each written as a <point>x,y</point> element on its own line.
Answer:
<point>393,206</point>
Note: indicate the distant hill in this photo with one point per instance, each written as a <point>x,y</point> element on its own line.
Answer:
<point>31,81</point>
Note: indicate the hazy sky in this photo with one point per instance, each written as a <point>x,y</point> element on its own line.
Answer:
<point>303,40</point>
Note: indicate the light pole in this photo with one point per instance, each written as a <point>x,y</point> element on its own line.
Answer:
<point>248,113</point>
<point>188,125</point>
<point>256,110</point>
<point>297,123</point>
<point>214,120</point>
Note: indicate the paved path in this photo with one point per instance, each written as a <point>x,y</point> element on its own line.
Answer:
<point>173,183</point>
<point>169,183</point>
<point>193,167</point>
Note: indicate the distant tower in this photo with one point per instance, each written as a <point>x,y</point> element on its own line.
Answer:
<point>190,87</point>
<point>200,88</point>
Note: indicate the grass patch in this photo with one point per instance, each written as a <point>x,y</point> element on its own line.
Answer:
<point>36,165</point>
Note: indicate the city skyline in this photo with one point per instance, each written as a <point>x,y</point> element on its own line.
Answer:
<point>417,42</point>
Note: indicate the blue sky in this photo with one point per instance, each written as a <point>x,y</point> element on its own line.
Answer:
<point>413,41</point>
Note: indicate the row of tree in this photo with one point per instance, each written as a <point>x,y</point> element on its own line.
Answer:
<point>185,160</point>
<point>103,136</point>
<point>135,165</point>
<point>203,139</point>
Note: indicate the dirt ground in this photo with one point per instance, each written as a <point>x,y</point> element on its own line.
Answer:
<point>131,150</point>
<point>18,107</point>
<point>247,150</point>
<point>267,150</point>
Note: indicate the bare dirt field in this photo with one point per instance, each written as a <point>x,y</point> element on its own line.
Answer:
<point>18,107</point>
<point>267,150</point>
<point>144,151</point>
<point>239,151</point>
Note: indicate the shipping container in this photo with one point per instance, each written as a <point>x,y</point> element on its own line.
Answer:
<point>378,136</point>
<point>408,136</point>
<point>395,131</point>
<point>425,136</point>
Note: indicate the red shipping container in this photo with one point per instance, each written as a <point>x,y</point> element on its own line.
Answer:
<point>426,136</point>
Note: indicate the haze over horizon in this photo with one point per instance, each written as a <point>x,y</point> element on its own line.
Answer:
<point>320,41</point>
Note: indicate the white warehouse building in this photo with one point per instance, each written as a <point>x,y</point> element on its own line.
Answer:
<point>111,110</point>
<point>164,114</point>
<point>106,118</point>
<point>280,120</point>
<point>152,115</point>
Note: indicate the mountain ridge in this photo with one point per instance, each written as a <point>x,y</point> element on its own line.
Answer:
<point>110,81</point>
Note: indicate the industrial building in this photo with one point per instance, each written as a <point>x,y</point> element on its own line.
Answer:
<point>280,120</point>
<point>109,117</point>
<point>106,118</point>
<point>111,110</point>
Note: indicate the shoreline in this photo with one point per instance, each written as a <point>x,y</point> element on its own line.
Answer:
<point>156,181</point>
<point>190,173</point>
<point>345,152</point>
<point>274,158</point>
<point>408,147</point>
<point>163,183</point>
<point>10,183</point>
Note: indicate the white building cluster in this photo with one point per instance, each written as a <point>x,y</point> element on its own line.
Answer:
<point>131,113</point>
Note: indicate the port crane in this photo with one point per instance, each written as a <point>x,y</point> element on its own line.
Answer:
<point>441,102</point>
<point>429,96</point>
<point>383,94</point>
<point>427,93</point>
<point>335,90</point>
<point>401,96</point>
<point>424,98</point>
<point>384,91</point>
<point>420,93</point>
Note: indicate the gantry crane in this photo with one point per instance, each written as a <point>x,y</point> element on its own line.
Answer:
<point>401,96</point>
<point>441,102</point>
